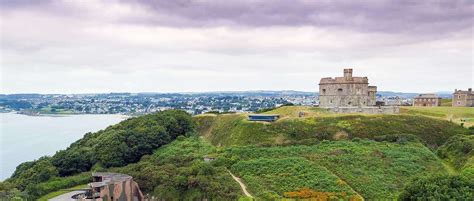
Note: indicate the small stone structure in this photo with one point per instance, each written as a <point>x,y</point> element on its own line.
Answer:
<point>350,94</point>
<point>463,98</point>
<point>111,186</point>
<point>426,100</point>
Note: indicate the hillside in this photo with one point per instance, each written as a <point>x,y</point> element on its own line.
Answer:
<point>318,124</point>
<point>459,152</point>
<point>374,170</point>
<point>347,170</point>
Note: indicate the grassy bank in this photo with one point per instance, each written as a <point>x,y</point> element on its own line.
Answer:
<point>235,129</point>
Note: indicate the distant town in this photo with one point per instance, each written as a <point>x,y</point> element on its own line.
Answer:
<point>193,103</point>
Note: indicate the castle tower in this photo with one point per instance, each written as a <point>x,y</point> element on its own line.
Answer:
<point>348,74</point>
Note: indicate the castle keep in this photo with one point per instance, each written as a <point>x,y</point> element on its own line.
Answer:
<point>347,91</point>
<point>350,94</point>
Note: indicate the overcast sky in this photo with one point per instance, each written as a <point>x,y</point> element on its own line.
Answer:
<point>191,46</point>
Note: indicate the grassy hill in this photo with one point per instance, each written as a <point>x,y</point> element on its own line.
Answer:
<point>318,124</point>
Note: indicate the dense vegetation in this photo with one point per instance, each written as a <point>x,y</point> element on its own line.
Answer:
<point>116,146</point>
<point>439,187</point>
<point>376,170</point>
<point>459,152</point>
<point>178,171</point>
<point>225,130</point>
<point>276,178</point>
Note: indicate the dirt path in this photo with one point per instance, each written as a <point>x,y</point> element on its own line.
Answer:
<point>242,185</point>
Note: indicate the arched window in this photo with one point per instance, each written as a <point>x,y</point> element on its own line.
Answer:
<point>324,91</point>
<point>339,90</point>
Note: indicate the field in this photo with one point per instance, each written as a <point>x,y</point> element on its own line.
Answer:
<point>455,114</point>
<point>446,102</point>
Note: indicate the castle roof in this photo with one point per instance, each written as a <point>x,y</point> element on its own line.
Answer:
<point>343,80</point>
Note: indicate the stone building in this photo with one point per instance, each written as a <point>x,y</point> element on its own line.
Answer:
<point>463,98</point>
<point>347,91</point>
<point>108,186</point>
<point>350,94</point>
<point>426,100</point>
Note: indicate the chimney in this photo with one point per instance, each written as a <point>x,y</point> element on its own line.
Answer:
<point>348,74</point>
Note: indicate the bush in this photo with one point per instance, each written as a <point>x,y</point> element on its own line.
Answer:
<point>458,150</point>
<point>401,138</point>
<point>31,173</point>
<point>441,187</point>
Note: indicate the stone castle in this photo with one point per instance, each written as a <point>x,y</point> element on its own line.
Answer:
<point>350,94</point>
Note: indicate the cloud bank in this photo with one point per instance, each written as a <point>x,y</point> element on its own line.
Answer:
<point>169,46</point>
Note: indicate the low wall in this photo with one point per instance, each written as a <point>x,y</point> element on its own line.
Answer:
<point>369,110</point>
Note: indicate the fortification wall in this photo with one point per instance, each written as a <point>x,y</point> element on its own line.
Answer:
<point>369,110</point>
<point>333,95</point>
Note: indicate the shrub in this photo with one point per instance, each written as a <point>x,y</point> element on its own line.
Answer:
<point>440,187</point>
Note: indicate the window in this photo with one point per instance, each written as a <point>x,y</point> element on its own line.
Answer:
<point>324,91</point>
<point>339,90</point>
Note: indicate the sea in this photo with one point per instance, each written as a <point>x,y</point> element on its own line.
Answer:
<point>26,138</point>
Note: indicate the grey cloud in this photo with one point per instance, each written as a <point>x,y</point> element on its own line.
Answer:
<point>431,17</point>
<point>424,17</point>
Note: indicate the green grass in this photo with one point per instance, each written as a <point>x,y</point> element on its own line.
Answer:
<point>375,170</point>
<point>455,114</point>
<point>446,102</point>
<point>60,192</point>
<point>235,129</point>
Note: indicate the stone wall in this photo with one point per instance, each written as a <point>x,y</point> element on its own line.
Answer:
<point>344,95</point>
<point>368,109</point>
<point>463,98</point>
<point>427,102</point>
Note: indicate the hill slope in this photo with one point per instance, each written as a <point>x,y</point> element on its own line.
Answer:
<point>375,170</point>
<point>235,129</point>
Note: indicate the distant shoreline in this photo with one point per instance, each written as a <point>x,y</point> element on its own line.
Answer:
<point>61,114</point>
